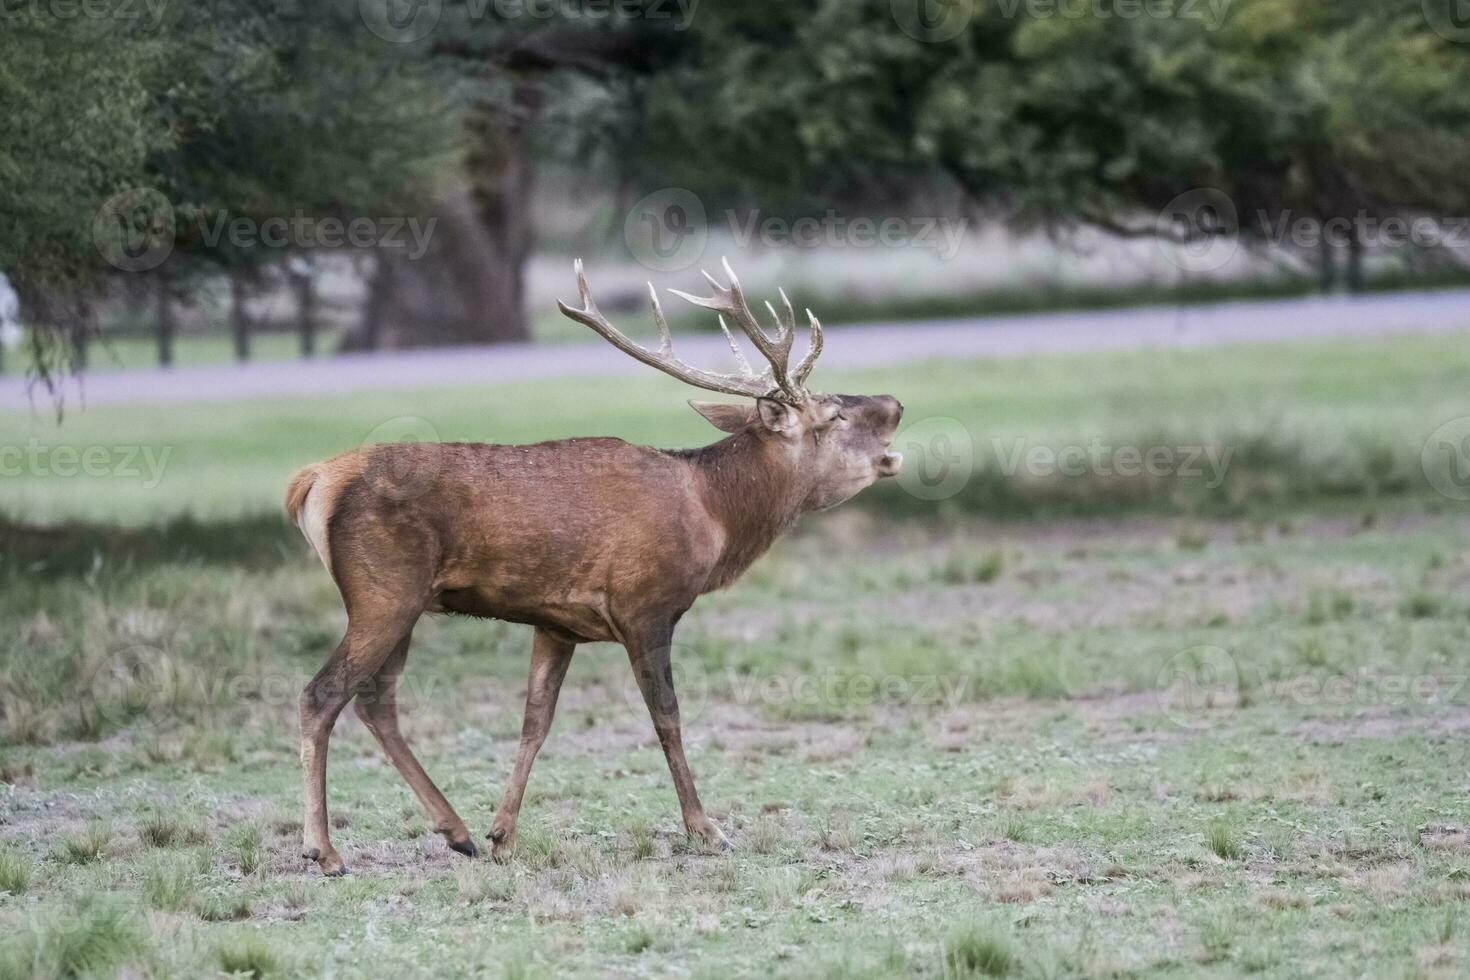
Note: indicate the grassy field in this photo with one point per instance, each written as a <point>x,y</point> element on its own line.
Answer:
<point>1302,422</point>
<point>1170,730</point>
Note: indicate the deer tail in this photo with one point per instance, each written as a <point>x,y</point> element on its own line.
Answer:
<point>310,511</point>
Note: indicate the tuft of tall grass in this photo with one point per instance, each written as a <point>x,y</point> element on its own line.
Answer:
<point>245,845</point>
<point>214,906</point>
<point>93,938</point>
<point>247,956</point>
<point>1224,841</point>
<point>85,846</point>
<point>15,870</point>
<point>168,882</point>
<point>973,951</point>
<point>161,829</point>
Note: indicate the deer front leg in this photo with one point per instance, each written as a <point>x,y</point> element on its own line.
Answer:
<point>649,656</point>
<point>550,658</point>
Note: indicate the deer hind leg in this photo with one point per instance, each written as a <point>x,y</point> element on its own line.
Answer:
<point>649,655</point>
<point>550,659</point>
<point>378,710</point>
<point>369,642</point>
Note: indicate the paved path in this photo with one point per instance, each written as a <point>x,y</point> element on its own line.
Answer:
<point>852,346</point>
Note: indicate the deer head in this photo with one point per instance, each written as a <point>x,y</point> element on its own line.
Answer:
<point>834,445</point>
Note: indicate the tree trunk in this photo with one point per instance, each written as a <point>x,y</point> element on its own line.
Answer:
<point>468,285</point>
<point>369,334</point>
<point>306,313</point>
<point>1326,266</point>
<point>1355,281</point>
<point>167,319</point>
<point>81,330</point>
<point>239,317</point>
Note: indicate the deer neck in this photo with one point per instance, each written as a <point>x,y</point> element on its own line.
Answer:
<point>753,492</point>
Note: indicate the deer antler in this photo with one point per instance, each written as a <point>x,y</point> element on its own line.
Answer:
<point>775,382</point>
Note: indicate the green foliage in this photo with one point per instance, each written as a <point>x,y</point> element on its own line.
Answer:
<point>77,127</point>
<point>229,110</point>
<point>1322,108</point>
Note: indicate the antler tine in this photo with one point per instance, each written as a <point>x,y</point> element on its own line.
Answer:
<point>776,381</point>
<point>730,300</point>
<point>665,339</point>
<point>745,367</point>
<point>663,359</point>
<point>814,350</point>
<point>790,313</point>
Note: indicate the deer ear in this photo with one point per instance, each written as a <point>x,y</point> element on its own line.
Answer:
<point>776,416</point>
<point>726,418</point>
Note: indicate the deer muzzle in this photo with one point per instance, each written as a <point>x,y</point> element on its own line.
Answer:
<point>889,464</point>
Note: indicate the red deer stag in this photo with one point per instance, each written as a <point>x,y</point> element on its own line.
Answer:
<point>584,539</point>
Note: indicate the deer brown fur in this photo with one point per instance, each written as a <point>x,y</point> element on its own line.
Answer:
<point>585,540</point>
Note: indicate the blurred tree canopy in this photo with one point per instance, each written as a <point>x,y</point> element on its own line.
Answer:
<point>1323,107</point>
<point>1046,113</point>
<point>233,109</point>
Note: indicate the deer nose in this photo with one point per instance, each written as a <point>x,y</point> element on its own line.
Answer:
<point>889,464</point>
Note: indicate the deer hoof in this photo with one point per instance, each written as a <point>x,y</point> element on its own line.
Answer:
<point>713,837</point>
<point>330,863</point>
<point>466,847</point>
<point>504,842</point>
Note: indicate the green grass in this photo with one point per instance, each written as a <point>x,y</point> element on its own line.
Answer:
<point>924,773</point>
<point>1302,423</point>
<point>1174,743</point>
